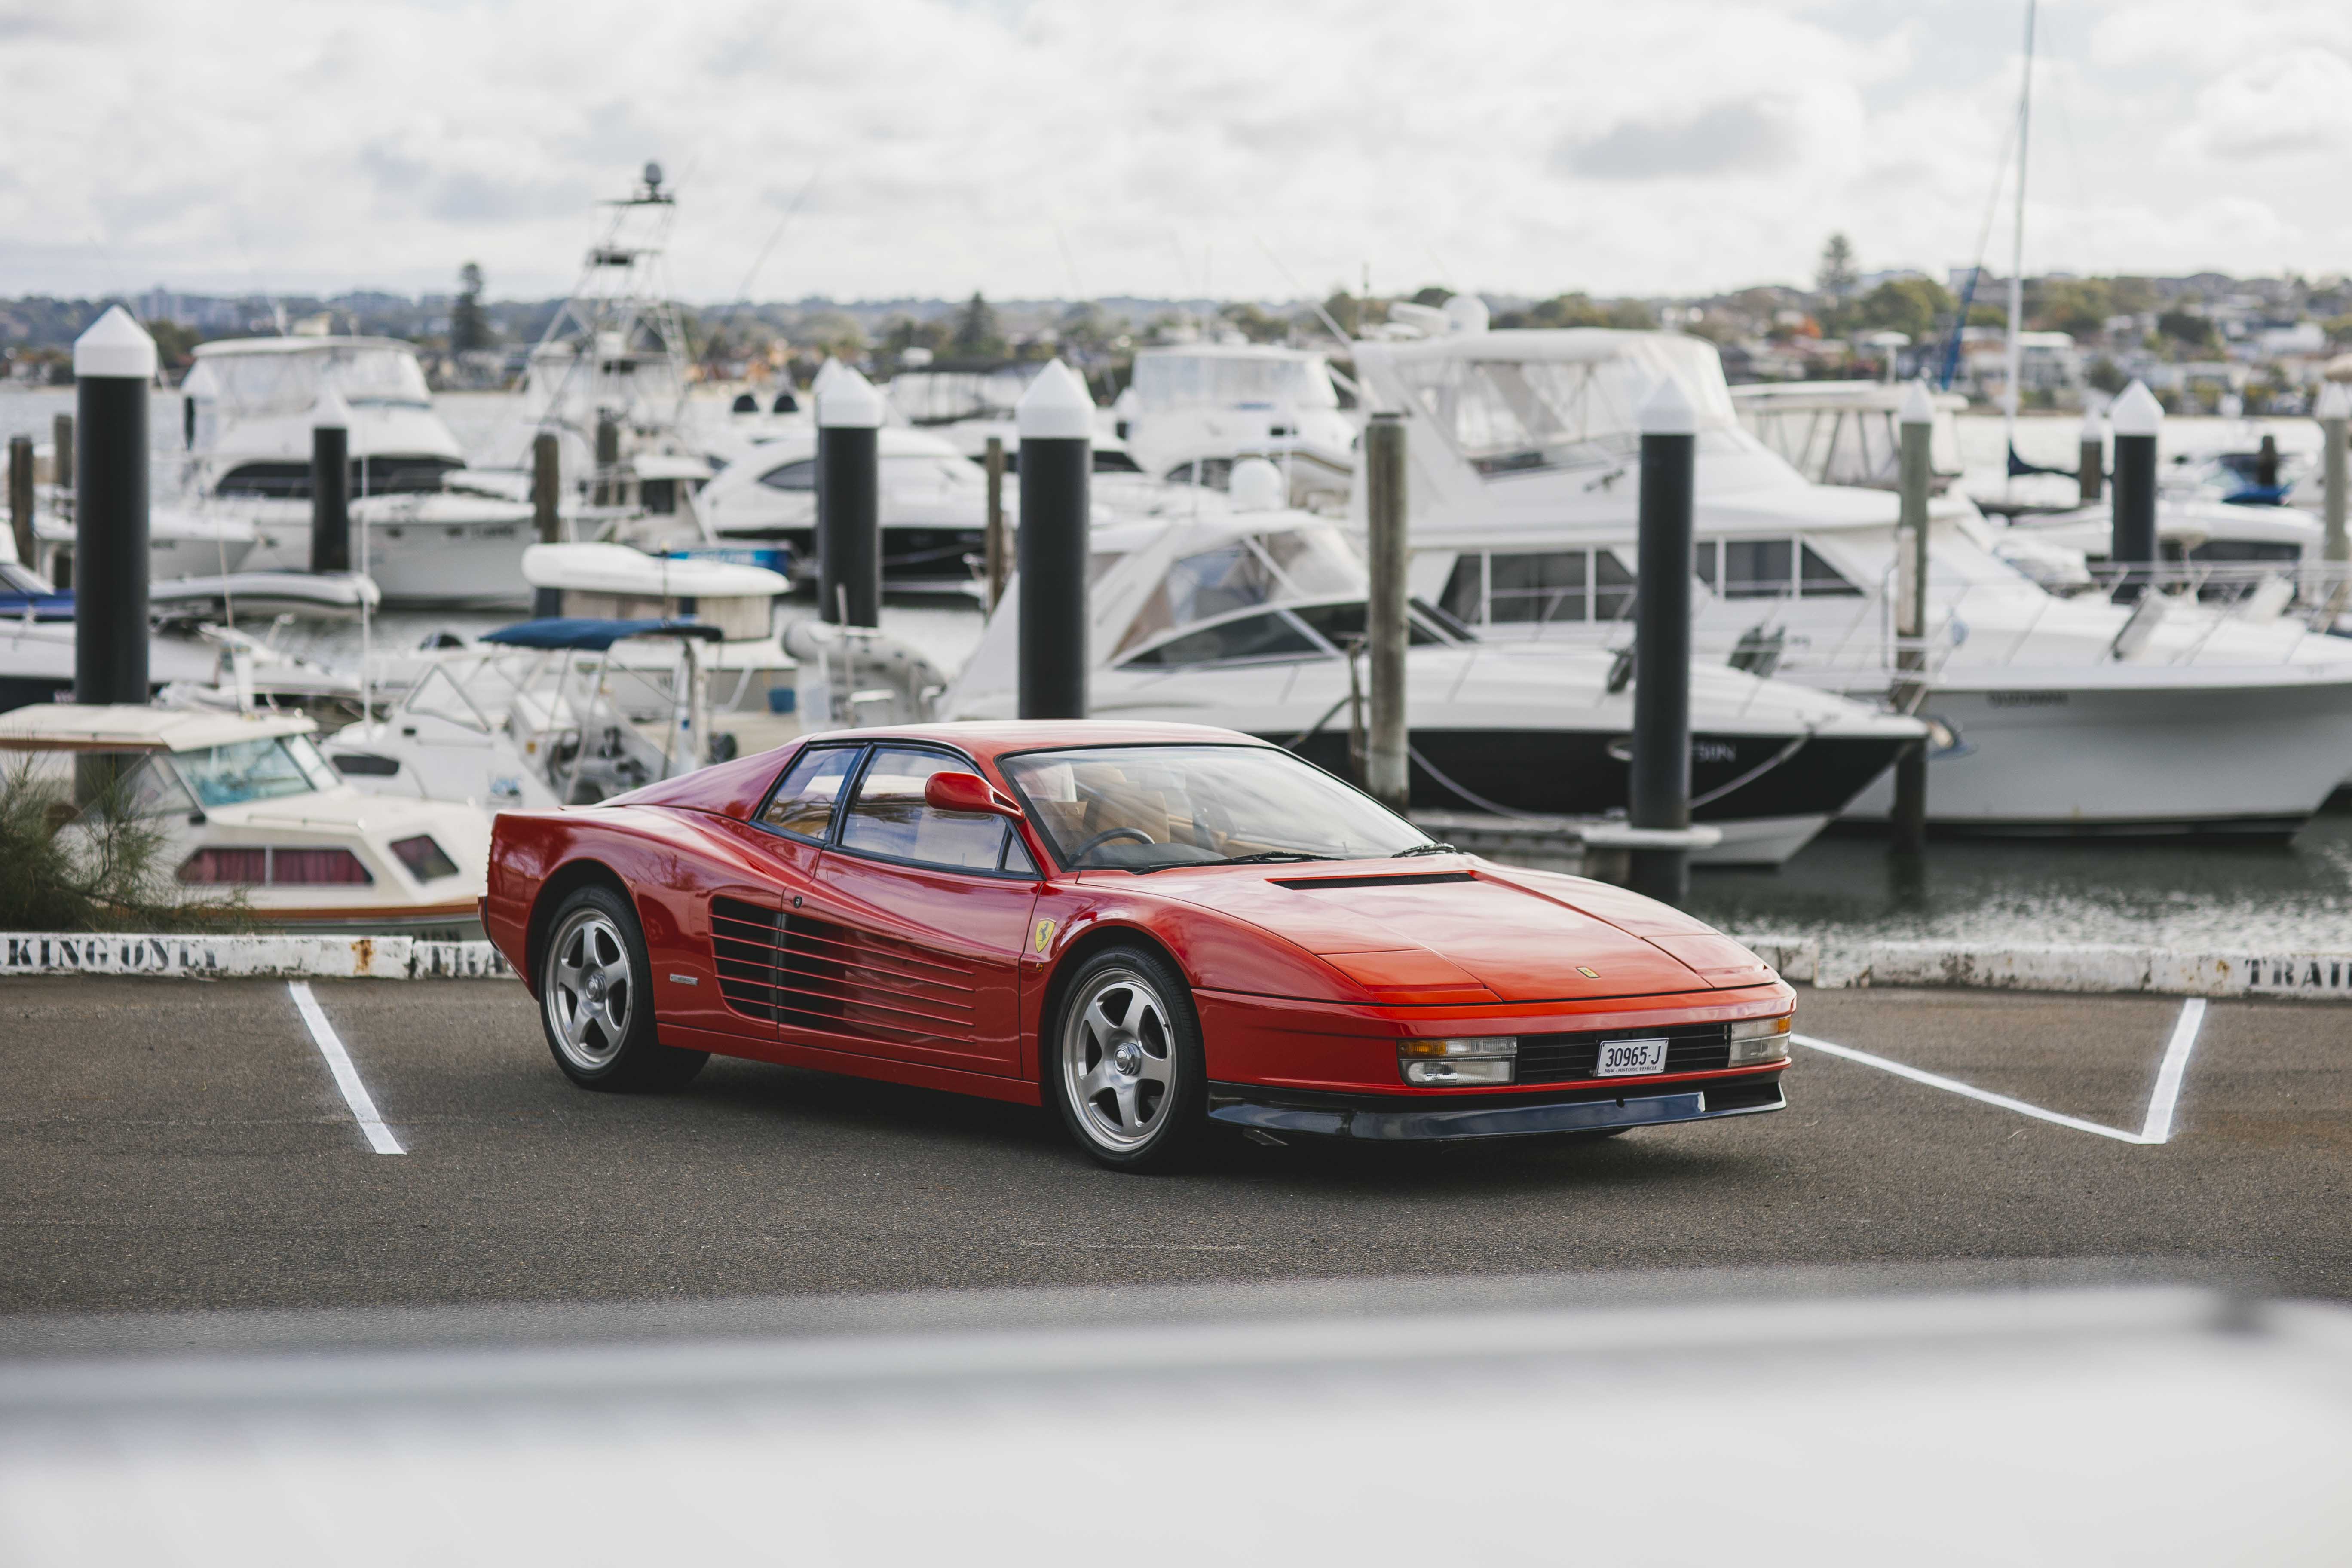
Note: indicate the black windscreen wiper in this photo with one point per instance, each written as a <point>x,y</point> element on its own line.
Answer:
<point>1425,850</point>
<point>1265,856</point>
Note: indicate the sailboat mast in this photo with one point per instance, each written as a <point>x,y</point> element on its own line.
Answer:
<point>2014,392</point>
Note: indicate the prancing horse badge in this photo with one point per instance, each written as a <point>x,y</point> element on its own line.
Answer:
<point>1588,973</point>
<point>1044,935</point>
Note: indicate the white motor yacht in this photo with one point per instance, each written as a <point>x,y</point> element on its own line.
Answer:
<point>2060,715</point>
<point>243,497</point>
<point>253,815</point>
<point>1193,410</point>
<point>1244,617</point>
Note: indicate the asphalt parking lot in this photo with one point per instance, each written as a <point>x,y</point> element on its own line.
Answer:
<point>177,1146</point>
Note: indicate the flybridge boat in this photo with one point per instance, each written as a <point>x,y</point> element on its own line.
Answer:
<point>244,502</point>
<point>1194,410</point>
<point>1847,432</point>
<point>251,812</point>
<point>1244,618</point>
<point>2058,715</point>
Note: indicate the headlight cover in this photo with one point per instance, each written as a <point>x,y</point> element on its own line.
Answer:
<point>1755,1040</point>
<point>1438,1064</point>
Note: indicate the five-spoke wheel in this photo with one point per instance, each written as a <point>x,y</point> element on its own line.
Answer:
<point>595,1003</point>
<point>1127,1059</point>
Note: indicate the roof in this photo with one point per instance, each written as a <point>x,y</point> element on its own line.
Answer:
<point>226,346</point>
<point>122,726</point>
<point>617,568</point>
<point>998,737</point>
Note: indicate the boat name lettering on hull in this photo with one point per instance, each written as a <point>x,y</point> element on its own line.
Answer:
<point>2026,699</point>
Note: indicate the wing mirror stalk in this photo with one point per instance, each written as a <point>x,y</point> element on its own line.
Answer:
<point>968,791</point>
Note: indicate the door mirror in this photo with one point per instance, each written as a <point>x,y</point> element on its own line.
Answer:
<point>967,792</point>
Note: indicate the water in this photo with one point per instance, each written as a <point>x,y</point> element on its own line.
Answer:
<point>1848,888</point>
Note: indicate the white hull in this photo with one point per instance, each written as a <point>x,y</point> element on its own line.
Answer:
<point>2246,752</point>
<point>1766,841</point>
<point>440,558</point>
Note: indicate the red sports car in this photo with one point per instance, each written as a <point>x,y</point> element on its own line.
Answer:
<point>1151,928</point>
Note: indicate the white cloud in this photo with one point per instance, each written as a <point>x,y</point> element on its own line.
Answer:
<point>1676,146</point>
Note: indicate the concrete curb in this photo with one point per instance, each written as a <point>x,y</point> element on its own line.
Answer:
<point>229,957</point>
<point>2053,967</point>
<point>2063,967</point>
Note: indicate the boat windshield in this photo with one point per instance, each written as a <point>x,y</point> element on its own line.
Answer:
<point>254,385</point>
<point>1288,566</point>
<point>1509,414</point>
<point>1232,381</point>
<point>255,770</point>
<point>1143,808</point>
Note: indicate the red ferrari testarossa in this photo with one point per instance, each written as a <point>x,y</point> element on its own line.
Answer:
<point>1150,927</point>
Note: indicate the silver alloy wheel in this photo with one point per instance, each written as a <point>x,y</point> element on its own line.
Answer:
<point>1118,1058</point>
<point>589,991</point>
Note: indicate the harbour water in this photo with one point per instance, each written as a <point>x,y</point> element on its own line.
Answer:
<point>1843,887</point>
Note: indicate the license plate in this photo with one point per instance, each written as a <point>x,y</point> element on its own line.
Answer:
<point>1631,1058</point>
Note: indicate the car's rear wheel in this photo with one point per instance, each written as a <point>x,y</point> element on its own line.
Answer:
<point>1127,1070</point>
<point>596,1002</point>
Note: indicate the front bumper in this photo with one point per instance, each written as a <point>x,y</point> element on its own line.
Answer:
<point>1433,1119</point>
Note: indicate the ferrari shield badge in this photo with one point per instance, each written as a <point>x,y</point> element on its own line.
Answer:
<point>1588,973</point>
<point>1043,936</point>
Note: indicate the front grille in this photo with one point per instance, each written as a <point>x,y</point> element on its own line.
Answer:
<point>1563,1059</point>
<point>800,971</point>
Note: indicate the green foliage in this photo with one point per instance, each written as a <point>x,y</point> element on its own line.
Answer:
<point>903,333</point>
<point>1254,324</point>
<point>2193,333</point>
<point>1916,306</point>
<point>2105,375</point>
<point>977,334</point>
<point>1561,310</point>
<point>99,869</point>
<point>1837,275</point>
<point>1431,294</point>
<point>468,328</point>
<point>175,344</point>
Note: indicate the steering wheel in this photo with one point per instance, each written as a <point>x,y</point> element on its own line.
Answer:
<point>1105,837</point>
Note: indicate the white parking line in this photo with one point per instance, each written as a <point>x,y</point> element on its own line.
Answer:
<point>2157,1129</point>
<point>2168,1077</point>
<point>347,1077</point>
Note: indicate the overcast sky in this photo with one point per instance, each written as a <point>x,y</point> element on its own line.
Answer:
<point>1056,147</point>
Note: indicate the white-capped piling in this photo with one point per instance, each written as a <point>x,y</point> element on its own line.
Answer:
<point>2334,413</point>
<point>21,496</point>
<point>1916,472</point>
<point>2091,454</point>
<point>2136,419</point>
<point>996,559</point>
<point>1387,778</point>
<point>331,484</point>
<point>849,500</point>
<point>1057,420</point>
<point>114,365</point>
<point>1658,792</point>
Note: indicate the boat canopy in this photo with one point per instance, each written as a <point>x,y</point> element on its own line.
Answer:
<point>1233,376</point>
<point>595,568</point>
<point>252,377</point>
<point>593,635</point>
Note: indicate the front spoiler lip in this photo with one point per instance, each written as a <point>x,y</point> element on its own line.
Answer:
<point>1333,1116</point>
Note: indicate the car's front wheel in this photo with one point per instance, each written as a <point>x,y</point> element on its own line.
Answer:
<point>596,1002</point>
<point>1127,1070</point>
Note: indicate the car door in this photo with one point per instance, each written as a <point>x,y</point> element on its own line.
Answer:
<point>910,948</point>
<point>733,984</point>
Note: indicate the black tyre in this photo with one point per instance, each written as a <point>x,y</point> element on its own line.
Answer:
<point>1124,1064</point>
<point>596,1000</point>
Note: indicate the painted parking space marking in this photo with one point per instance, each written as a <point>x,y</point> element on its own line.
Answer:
<point>2157,1129</point>
<point>347,1077</point>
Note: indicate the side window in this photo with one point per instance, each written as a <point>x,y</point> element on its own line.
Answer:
<point>1270,635</point>
<point>1819,580</point>
<point>1464,597</point>
<point>888,815</point>
<point>803,804</point>
<point>1015,858</point>
<point>1757,568</point>
<point>800,475</point>
<point>1612,587</point>
<point>1539,588</point>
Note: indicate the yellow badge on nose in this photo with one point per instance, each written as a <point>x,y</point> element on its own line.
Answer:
<point>1043,936</point>
<point>1588,973</point>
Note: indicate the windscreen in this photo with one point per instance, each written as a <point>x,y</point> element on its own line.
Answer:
<point>1142,808</point>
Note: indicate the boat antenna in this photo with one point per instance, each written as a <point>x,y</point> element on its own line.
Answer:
<point>1329,325</point>
<point>2014,393</point>
<point>1976,272</point>
<point>743,294</point>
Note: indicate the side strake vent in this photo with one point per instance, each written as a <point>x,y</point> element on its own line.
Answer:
<point>1400,880</point>
<point>802,973</point>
